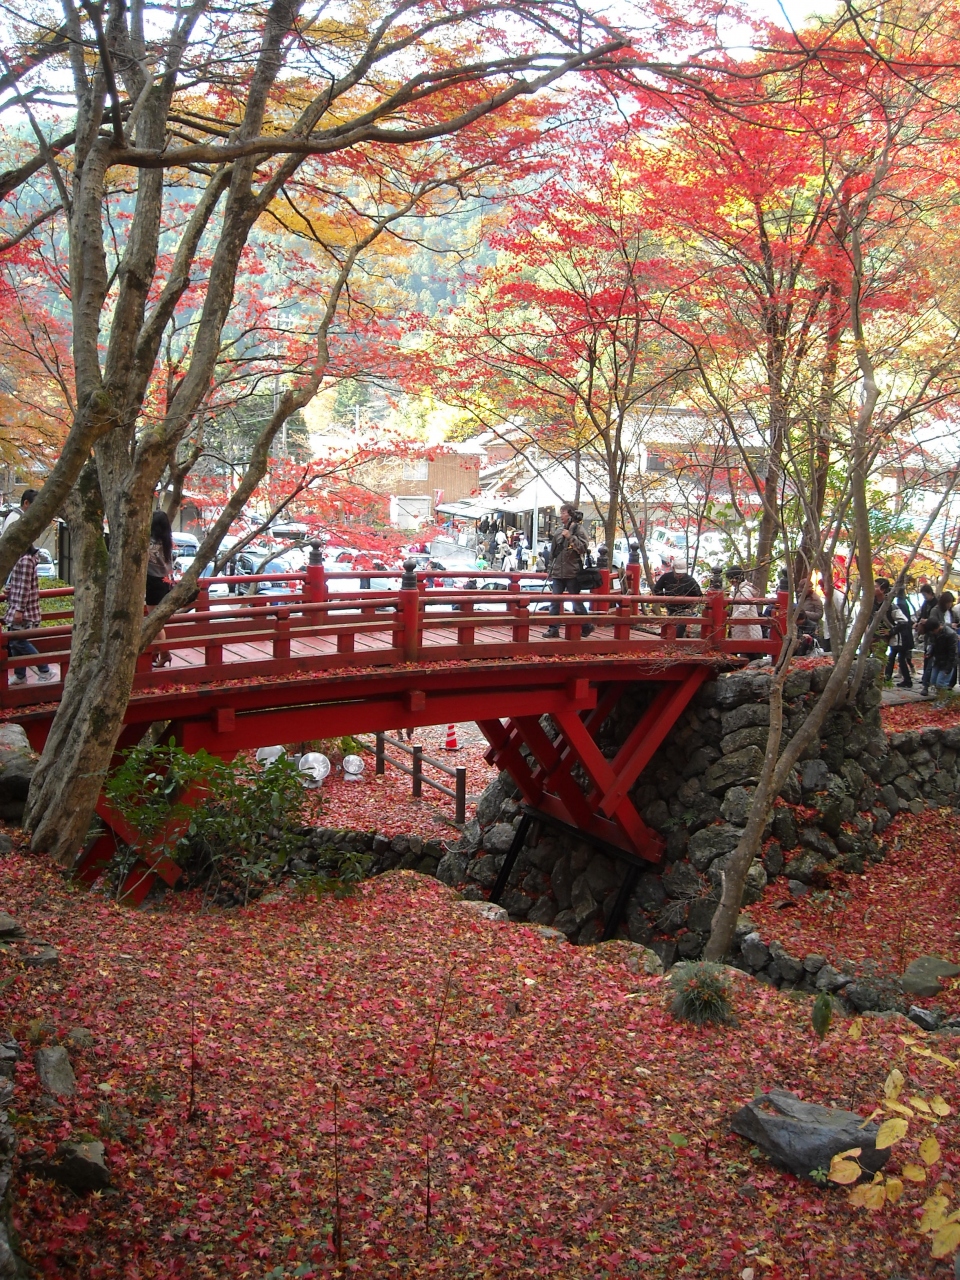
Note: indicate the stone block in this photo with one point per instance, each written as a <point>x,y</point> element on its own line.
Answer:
<point>711,843</point>
<point>738,769</point>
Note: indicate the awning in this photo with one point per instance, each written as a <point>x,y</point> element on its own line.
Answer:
<point>467,508</point>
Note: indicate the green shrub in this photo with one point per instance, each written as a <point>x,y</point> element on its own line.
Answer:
<point>703,992</point>
<point>241,833</point>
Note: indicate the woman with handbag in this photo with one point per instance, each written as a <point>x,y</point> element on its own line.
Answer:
<point>567,553</point>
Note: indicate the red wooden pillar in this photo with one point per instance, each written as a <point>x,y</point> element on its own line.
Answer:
<point>410,611</point>
<point>782,615</point>
<point>315,583</point>
<point>713,629</point>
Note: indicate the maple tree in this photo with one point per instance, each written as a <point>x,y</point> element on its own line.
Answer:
<point>188,129</point>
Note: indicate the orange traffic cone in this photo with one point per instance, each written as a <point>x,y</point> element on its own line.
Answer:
<point>451,743</point>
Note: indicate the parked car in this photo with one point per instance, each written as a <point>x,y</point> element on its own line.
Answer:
<point>185,544</point>
<point>46,565</point>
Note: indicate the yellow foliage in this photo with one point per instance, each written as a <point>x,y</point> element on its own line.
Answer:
<point>921,1105</point>
<point>900,1108</point>
<point>871,1195</point>
<point>891,1131</point>
<point>856,1029</point>
<point>930,1150</point>
<point>934,1212</point>
<point>892,1085</point>
<point>894,1190</point>
<point>845,1171</point>
<point>939,1106</point>
<point>914,1173</point>
<point>946,1240</point>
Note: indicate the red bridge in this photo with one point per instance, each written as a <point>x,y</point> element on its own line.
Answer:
<point>304,659</point>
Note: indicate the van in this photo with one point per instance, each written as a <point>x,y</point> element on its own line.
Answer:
<point>185,544</point>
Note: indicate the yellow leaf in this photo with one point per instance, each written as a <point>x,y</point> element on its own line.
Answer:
<point>939,1106</point>
<point>899,1108</point>
<point>909,1039</point>
<point>934,1213</point>
<point>892,1131</point>
<point>930,1150</point>
<point>856,1029</point>
<point>892,1085</point>
<point>946,1240</point>
<point>843,1171</point>
<point>894,1190</point>
<point>921,1105</point>
<point>870,1196</point>
<point>914,1173</point>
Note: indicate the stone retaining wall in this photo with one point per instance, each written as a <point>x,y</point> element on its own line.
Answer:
<point>696,792</point>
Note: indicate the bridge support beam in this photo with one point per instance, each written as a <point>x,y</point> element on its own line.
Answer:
<point>567,777</point>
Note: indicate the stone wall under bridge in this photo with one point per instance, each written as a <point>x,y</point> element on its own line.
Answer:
<point>696,792</point>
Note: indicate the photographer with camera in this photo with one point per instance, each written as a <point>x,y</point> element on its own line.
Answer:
<point>567,552</point>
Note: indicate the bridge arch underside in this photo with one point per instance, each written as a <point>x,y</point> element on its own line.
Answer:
<point>569,770</point>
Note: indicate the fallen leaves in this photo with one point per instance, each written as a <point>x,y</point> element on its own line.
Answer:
<point>570,1126</point>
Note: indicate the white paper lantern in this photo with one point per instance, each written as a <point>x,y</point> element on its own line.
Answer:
<point>267,755</point>
<point>352,768</point>
<point>314,767</point>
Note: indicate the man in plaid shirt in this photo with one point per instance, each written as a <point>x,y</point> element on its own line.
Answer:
<point>23,612</point>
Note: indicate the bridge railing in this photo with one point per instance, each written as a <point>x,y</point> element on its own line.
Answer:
<point>304,622</point>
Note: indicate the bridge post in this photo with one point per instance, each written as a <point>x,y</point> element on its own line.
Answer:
<point>783,610</point>
<point>315,584</point>
<point>714,630</point>
<point>633,569</point>
<point>603,568</point>
<point>410,611</point>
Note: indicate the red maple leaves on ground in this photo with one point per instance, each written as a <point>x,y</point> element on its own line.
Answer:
<point>540,1097</point>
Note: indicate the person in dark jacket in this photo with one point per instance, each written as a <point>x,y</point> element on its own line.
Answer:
<point>809,616</point>
<point>943,614</point>
<point>900,640</point>
<point>943,653</point>
<point>676,581</point>
<point>567,552</point>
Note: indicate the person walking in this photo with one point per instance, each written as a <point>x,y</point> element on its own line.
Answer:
<point>676,581</point>
<point>943,653</point>
<point>567,551</point>
<point>26,501</point>
<point>160,572</point>
<point>809,617</point>
<point>743,594</point>
<point>23,613</point>
<point>900,642</point>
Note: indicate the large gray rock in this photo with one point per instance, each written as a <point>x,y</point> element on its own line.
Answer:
<point>753,885</point>
<point>754,951</point>
<point>740,768</point>
<point>79,1166</point>
<point>561,882</point>
<point>755,736</point>
<point>486,911</point>
<point>16,772</point>
<point>602,876</point>
<point>791,969</point>
<point>680,880</point>
<point>55,1072</point>
<point>809,867</point>
<point>742,687</point>
<point>485,870</point>
<point>499,838</point>
<point>744,717</point>
<point>922,976</point>
<point>804,1137</point>
<point>814,775</point>
<point>488,806</point>
<point>13,738</point>
<point>736,805</point>
<point>582,902</point>
<point>9,927</point>
<point>649,893</point>
<point>711,843</point>
<point>452,868</point>
<point>543,911</point>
